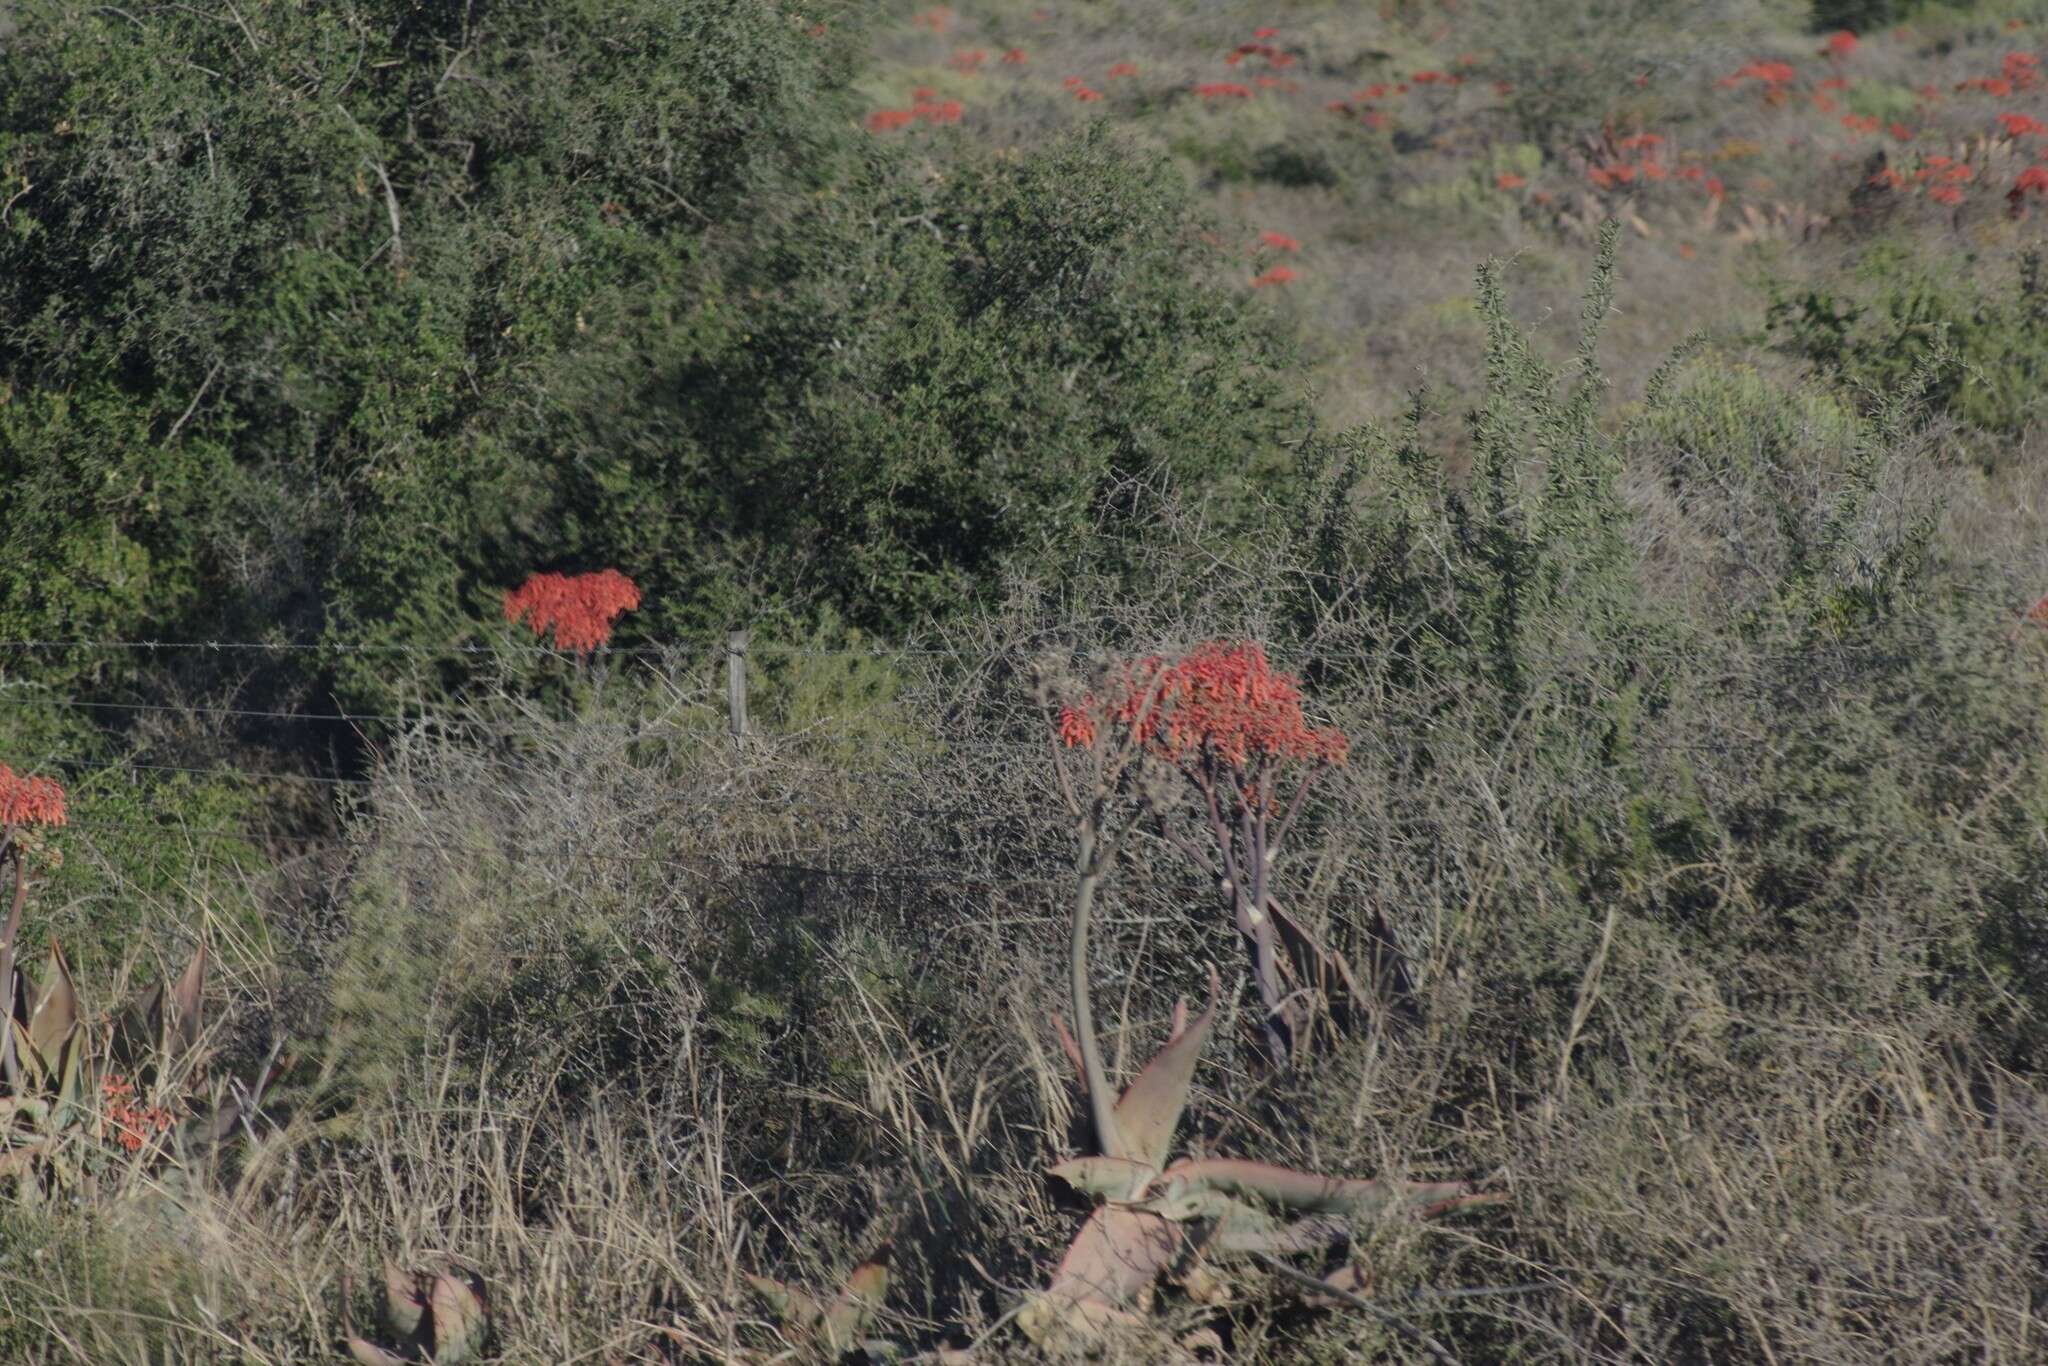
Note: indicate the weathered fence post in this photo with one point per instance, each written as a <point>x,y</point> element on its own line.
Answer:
<point>736,683</point>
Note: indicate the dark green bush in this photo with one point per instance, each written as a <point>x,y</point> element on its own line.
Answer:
<point>1884,321</point>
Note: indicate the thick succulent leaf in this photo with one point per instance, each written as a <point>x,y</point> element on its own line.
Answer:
<point>139,1033</point>
<point>859,1298</point>
<point>10,999</point>
<point>56,1010</point>
<point>370,1354</point>
<point>459,1318</point>
<point>1244,1227</point>
<point>1112,1178</point>
<point>1150,1108</point>
<point>798,1309</point>
<point>1320,969</point>
<point>33,1069</point>
<point>403,1304</point>
<point>1313,1193</point>
<point>187,1001</point>
<point>1118,1252</point>
<point>74,1075</point>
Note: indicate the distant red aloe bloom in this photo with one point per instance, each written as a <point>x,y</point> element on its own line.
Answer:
<point>939,111</point>
<point>1085,95</point>
<point>1278,275</point>
<point>1901,132</point>
<point>889,120</point>
<point>2038,614</point>
<point>1279,241</point>
<point>924,92</point>
<point>1769,73</point>
<point>937,20</point>
<point>1503,88</point>
<point>1991,85</point>
<point>970,61</point>
<point>29,800</point>
<point>579,608</point>
<point>1946,194</point>
<point>1265,33</point>
<point>1636,141</point>
<point>2021,125</point>
<point>1426,77</point>
<point>2034,178</point>
<point>1015,57</point>
<point>1122,69</point>
<point>1508,180</point>
<point>1223,90</point>
<point>1714,188</point>
<point>1841,43</point>
<point>1835,83</point>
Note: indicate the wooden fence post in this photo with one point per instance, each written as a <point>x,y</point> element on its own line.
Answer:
<point>736,683</point>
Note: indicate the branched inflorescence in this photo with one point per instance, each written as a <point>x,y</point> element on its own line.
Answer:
<point>1233,728</point>
<point>579,608</point>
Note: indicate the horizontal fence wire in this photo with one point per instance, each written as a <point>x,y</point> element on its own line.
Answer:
<point>93,768</point>
<point>669,651</point>
<point>704,866</point>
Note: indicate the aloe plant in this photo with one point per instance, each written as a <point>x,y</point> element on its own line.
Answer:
<point>438,1316</point>
<point>61,1078</point>
<point>1156,1210</point>
<point>839,1325</point>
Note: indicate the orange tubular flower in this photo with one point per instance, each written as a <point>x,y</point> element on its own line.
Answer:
<point>28,800</point>
<point>579,609</point>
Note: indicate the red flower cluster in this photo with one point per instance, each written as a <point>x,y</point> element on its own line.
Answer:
<point>1278,275</point>
<point>579,609</point>
<point>1771,74</point>
<point>2034,178</point>
<point>1220,700</point>
<point>2021,125</point>
<point>133,1124</point>
<point>925,110</point>
<point>1015,57</point>
<point>27,800</point>
<point>1279,241</point>
<point>969,61</point>
<point>1841,43</point>
<point>937,20</point>
<point>1223,90</point>
<point>1123,69</point>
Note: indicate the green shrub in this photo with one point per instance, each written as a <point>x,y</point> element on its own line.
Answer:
<point>1872,332</point>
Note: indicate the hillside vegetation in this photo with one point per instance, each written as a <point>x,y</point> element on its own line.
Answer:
<point>689,680</point>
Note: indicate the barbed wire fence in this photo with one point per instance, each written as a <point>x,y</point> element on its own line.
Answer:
<point>737,650</point>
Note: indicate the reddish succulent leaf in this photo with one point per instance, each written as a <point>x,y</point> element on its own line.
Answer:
<point>187,1000</point>
<point>1150,1108</point>
<point>459,1317</point>
<point>857,1301</point>
<point>1112,1178</point>
<point>403,1306</point>
<point>370,1354</point>
<point>1314,1193</point>
<point>797,1308</point>
<point>1117,1253</point>
<point>56,1013</point>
